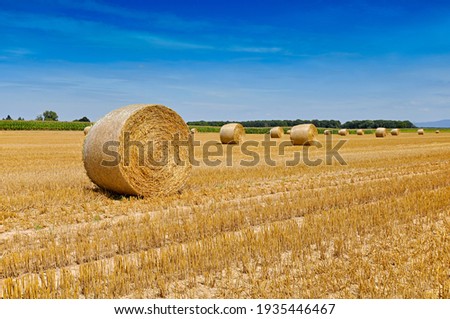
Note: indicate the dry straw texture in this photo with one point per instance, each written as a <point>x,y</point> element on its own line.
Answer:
<point>343,132</point>
<point>276,132</point>
<point>87,129</point>
<point>303,134</point>
<point>395,132</point>
<point>194,130</point>
<point>231,133</point>
<point>380,132</point>
<point>420,131</point>
<point>360,132</point>
<point>147,173</point>
<point>327,132</point>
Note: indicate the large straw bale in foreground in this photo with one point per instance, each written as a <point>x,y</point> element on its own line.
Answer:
<point>303,134</point>
<point>395,132</point>
<point>276,132</point>
<point>380,132</point>
<point>116,151</point>
<point>343,132</point>
<point>360,132</point>
<point>420,131</point>
<point>231,133</point>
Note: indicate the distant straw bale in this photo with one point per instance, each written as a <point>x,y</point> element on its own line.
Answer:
<point>232,133</point>
<point>303,134</point>
<point>276,132</point>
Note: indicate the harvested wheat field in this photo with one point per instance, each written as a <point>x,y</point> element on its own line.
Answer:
<point>377,227</point>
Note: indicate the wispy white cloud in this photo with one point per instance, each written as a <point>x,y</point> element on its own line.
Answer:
<point>256,49</point>
<point>99,33</point>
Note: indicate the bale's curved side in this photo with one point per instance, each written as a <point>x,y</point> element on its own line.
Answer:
<point>87,129</point>
<point>130,151</point>
<point>360,132</point>
<point>327,132</point>
<point>231,133</point>
<point>380,132</point>
<point>395,132</point>
<point>343,132</point>
<point>420,131</point>
<point>276,132</point>
<point>303,134</point>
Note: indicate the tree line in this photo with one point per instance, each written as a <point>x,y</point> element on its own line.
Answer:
<point>319,123</point>
<point>47,116</point>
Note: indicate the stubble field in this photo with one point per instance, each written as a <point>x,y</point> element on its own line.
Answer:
<point>377,227</point>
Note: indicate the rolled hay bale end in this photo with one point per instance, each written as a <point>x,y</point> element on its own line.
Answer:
<point>131,151</point>
<point>304,134</point>
<point>437,132</point>
<point>87,129</point>
<point>276,132</point>
<point>360,132</point>
<point>327,132</point>
<point>343,132</point>
<point>380,132</point>
<point>395,132</point>
<point>194,130</point>
<point>288,132</point>
<point>232,133</point>
<point>420,131</point>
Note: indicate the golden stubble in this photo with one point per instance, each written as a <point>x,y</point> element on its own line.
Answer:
<point>375,228</point>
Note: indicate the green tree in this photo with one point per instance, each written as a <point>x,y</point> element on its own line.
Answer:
<point>9,118</point>
<point>83,119</point>
<point>50,116</point>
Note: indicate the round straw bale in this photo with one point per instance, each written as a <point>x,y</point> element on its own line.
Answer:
<point>380,132</point>
<point>232,133</point>
<point>303,134</point>
<point>327,132</point>
<point>131,151</point>
<point>276,132</point>
<point>288,132</point>
<point>87,129</point>
<point>360,132</point>
<point>395,132</point>
<point>343,132</point>
<point>194,130</point>
<point>437,132</point>
<point>420,131</point>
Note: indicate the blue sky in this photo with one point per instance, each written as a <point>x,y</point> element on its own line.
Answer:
<point>227,60</point>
